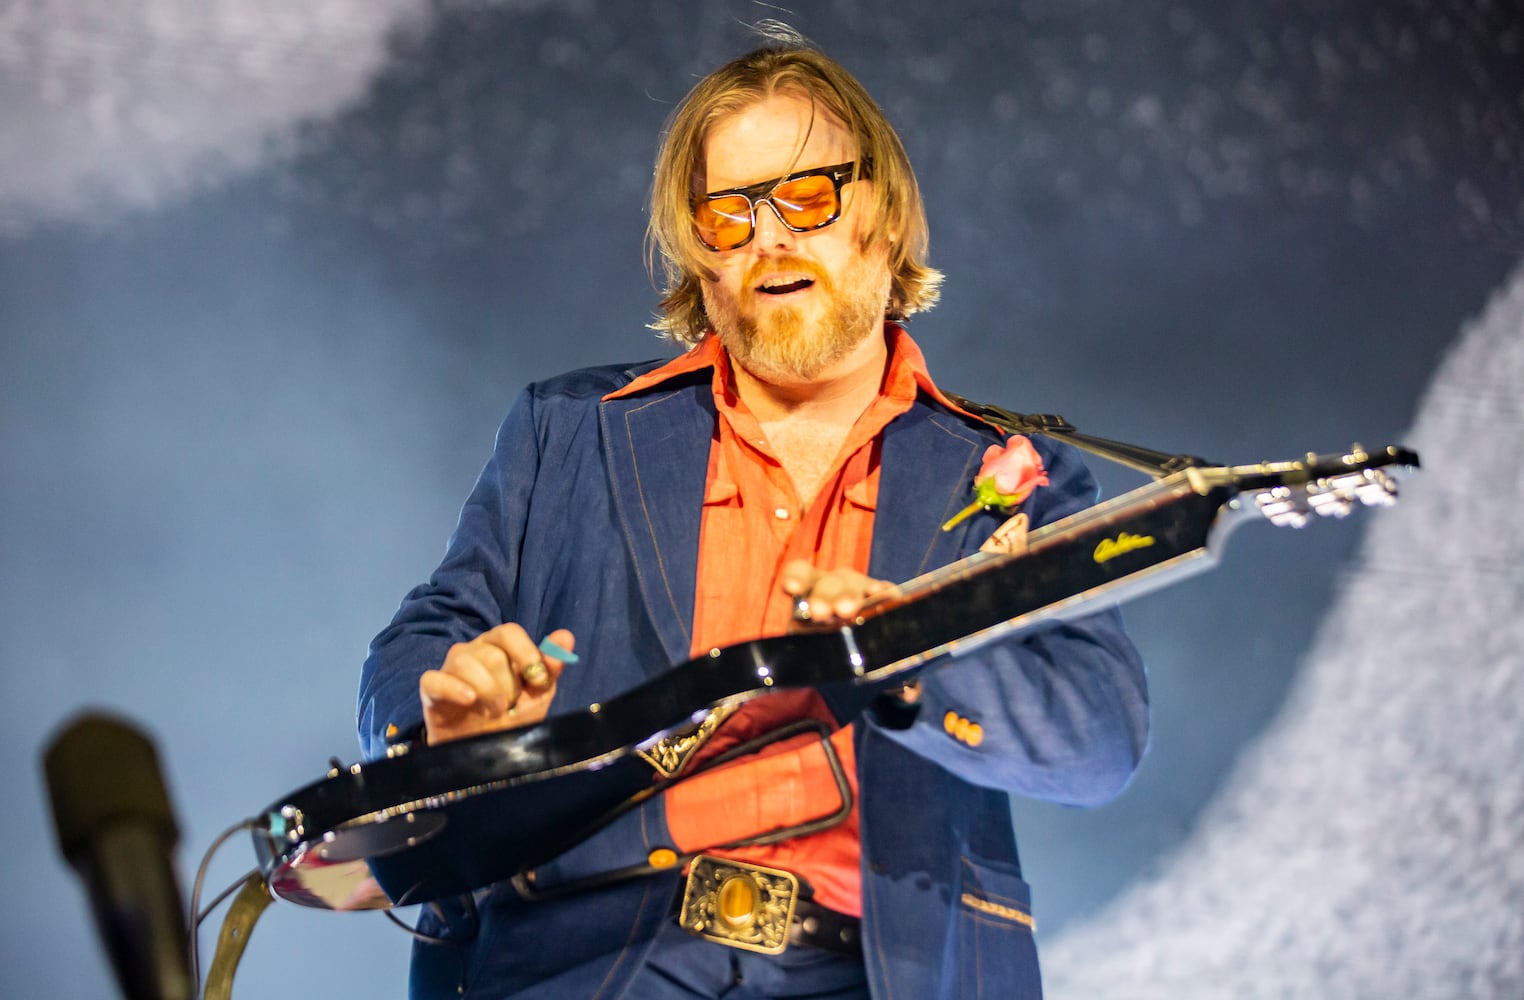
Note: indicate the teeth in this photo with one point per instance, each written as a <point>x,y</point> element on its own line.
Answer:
<point>781,281</point>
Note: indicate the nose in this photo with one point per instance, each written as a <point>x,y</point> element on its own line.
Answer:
<point>771,232</point>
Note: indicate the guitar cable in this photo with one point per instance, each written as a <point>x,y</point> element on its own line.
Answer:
<point>197,915</point>
<point>468,903</point>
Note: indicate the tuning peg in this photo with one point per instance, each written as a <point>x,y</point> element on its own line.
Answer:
<point>1279,506</point>
<point>1328,501</point>
<point>1377,489</point>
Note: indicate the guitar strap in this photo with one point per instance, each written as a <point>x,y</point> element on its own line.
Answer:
<point>1156,464</point>
<point>250,902</point>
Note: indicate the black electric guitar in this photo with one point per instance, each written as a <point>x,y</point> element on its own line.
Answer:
<point>425,823</point>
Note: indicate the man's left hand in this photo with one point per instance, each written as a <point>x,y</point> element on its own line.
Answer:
<point>830,595</point>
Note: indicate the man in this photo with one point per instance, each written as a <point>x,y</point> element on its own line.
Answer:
<point>795,457</point>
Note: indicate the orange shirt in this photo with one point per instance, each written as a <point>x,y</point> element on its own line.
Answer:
<point>753,524</point>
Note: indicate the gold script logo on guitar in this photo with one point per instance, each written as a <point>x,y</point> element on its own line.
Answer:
<point>1110,548</point>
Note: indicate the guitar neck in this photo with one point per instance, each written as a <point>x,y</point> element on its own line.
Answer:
<point>1114,551</point>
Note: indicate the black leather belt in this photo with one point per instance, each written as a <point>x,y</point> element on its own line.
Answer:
<point>747,906</point>
<point>820,927</point>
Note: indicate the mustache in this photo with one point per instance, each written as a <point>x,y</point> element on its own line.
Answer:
<point>781,265</point>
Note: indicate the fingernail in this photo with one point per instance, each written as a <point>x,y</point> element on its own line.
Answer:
<point>556,651</point>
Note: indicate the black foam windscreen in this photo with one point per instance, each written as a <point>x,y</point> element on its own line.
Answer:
<point>116,828</point>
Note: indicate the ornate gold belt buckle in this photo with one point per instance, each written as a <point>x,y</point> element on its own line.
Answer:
<point>740,905</point>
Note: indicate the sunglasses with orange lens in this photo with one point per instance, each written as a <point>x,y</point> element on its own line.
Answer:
<point>805,201</point>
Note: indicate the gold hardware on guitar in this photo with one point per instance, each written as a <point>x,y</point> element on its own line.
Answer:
<point>669,754</point>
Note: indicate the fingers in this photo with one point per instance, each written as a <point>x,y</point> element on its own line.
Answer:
<point>498,680</point>
<point>798,577</point>
<point>824,595</point>
<point>439,688</point>
<point>1009,539</point>
<point>490,664</point>
<point>540,674</point>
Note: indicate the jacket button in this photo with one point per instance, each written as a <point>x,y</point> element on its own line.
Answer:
<point>963,730</point>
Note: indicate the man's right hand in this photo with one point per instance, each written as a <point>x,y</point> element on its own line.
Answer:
<point>491,683</point>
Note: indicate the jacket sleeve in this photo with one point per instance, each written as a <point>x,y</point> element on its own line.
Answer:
<point>472,591</point>
<point>1059,713</point>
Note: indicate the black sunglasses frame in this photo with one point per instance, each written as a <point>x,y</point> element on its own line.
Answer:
<point>762,192</point>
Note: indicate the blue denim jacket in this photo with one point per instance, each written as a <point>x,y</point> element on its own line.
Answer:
<point>587,517</point>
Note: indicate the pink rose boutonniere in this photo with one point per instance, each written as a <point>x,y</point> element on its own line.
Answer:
<point>1007,477</point>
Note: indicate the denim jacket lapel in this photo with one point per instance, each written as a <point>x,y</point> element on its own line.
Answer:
<point>657,450</point>
<point>929,461</point>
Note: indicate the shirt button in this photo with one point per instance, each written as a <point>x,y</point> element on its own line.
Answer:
<point>781,513</point>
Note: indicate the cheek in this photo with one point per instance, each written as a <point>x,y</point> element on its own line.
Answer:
<point>727,283</point>
<point>732,278</point>
<point>723,293</point>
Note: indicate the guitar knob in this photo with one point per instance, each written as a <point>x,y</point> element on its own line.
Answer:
<point>293,820</point>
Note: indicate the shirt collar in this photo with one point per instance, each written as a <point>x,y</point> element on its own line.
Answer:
<point>705,354</point>
<point>907,370</point>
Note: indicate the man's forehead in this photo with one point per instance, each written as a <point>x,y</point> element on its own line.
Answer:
<point>770,138</point>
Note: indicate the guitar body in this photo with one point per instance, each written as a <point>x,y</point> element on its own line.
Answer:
<point>431,822</point>
<point>437,821</point>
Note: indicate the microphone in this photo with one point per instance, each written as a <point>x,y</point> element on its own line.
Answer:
<point>116,829</point>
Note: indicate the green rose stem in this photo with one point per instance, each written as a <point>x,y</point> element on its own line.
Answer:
<point>986,495</point>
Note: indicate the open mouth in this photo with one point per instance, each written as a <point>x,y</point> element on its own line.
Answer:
<point>783,285</point>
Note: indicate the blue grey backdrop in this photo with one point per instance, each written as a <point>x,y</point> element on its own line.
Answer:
<point>269,278</point>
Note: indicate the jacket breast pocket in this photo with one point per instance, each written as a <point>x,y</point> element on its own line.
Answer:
<point>997,950</point>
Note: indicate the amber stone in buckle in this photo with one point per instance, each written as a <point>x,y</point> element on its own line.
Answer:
<point>740,905</point>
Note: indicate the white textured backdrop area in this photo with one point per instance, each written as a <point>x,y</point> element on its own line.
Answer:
<point>117,105</point>
<point>1371,844</point>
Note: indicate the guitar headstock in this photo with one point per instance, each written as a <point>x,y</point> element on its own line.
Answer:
<point>1291,494</point>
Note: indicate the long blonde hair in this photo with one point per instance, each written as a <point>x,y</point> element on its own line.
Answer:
<point>789,66</point>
